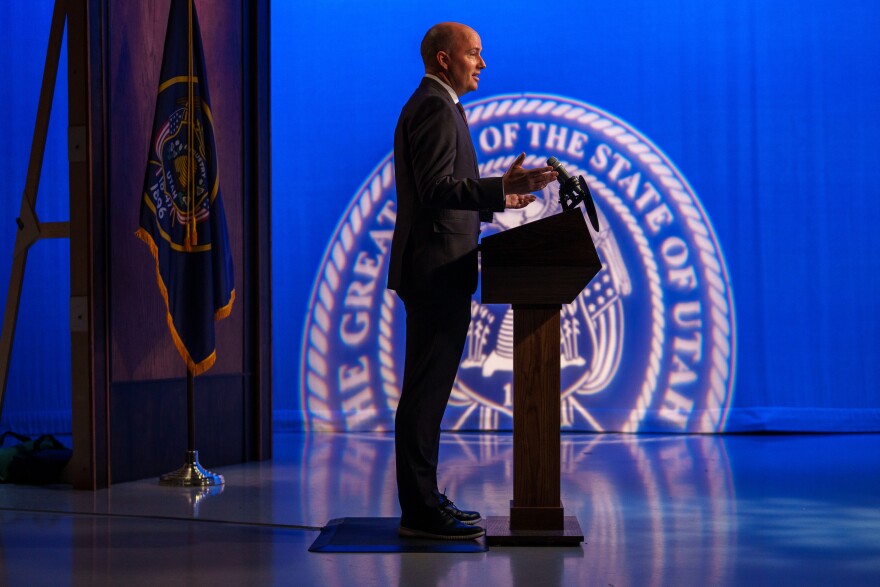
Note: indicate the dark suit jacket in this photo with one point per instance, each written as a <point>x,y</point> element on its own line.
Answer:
<point>440,197</point>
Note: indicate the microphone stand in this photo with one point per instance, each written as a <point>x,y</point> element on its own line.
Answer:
<point>572,192</point>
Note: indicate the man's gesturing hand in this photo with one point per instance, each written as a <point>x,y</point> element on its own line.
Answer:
<point>519,182</point>
<point>517,200</point>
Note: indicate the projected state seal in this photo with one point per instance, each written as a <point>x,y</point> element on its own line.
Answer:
<point>649,345</point>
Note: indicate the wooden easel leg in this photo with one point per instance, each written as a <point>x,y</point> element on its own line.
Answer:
<point>28,225</point>
<point>10,317</point>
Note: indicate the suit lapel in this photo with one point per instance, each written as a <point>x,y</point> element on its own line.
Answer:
<point>460,124</point>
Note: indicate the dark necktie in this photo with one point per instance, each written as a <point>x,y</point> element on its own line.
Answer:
<point>463,115</point>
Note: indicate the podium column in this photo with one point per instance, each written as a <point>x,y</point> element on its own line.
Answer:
<point>536,460</point>
<point>537,517</point>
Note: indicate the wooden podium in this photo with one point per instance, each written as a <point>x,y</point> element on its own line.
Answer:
<point>537,268</point>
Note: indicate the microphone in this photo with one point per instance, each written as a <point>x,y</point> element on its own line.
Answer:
<point>562,174</point>
<point>574,190</point>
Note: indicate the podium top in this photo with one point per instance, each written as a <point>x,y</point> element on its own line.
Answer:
<point>549,261</point>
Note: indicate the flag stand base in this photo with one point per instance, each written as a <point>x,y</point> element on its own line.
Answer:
<point>191,474</point>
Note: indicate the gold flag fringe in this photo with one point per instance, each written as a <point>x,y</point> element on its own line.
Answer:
<point>207,362</point>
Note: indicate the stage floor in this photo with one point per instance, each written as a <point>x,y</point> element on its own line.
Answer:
<point>655,511</point>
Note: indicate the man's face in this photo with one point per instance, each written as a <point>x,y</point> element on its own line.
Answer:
<point>463,61</point>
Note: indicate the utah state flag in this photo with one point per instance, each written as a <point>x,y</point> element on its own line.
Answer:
<point>182,218</point>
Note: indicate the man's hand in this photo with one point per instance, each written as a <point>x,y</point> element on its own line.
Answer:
<point>518,201</point>
<point>518,181</point>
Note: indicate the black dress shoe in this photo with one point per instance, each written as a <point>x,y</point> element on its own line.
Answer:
<point>463,516</point>
<point>438,525</point>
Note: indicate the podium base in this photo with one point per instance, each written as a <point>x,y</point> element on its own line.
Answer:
<point>498,533</point>
<point>191,474</point>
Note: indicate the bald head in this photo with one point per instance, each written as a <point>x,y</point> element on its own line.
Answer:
<point>452,52</point>
<point>445,36</point>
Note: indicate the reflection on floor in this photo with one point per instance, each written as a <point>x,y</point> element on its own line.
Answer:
<point>655,510</point>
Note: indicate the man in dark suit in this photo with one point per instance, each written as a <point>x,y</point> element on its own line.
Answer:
<point>441,201</point>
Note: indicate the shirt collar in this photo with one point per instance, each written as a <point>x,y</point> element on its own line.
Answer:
<point>452,93</point>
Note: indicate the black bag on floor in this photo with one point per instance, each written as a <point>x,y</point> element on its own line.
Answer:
<point>32,462</point>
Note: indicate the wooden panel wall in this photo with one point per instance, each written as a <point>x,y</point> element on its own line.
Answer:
<point>130,421</point>
<point>140,344</point>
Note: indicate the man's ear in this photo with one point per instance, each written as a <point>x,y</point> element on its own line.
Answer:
<point>443,60</point>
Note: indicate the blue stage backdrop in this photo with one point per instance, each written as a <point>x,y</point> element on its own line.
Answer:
<point>732,149</point>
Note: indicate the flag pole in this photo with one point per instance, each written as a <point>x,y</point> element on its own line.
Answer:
<point>191,410</point>
<point>191,474</point>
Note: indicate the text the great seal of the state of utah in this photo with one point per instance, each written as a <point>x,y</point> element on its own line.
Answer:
<point>649,345</point>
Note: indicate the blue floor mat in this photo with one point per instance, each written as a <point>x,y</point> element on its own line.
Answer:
<point>380,535</point>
